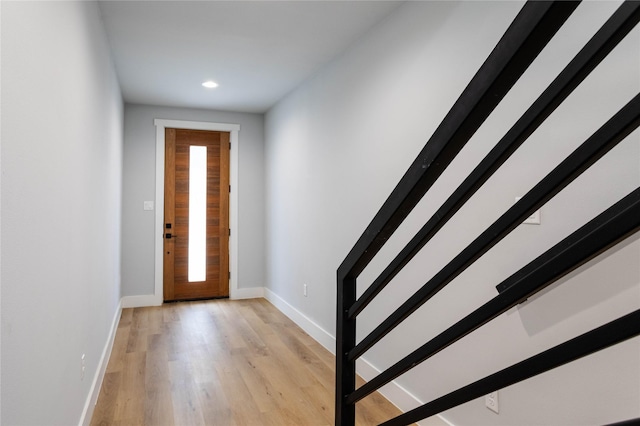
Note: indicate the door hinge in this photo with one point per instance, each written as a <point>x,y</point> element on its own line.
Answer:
<point>229,188</point>
<point>229,231</point>
<point>229,274</point>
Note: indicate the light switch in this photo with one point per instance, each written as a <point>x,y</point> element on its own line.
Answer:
<point>534,219</point>
<point>148,205</point>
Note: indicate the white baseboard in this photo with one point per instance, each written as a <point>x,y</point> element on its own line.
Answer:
<point>152,300</point>
<point>311,328</point>
<point>96,385</point>
<point>395,393</point>
<point>399,396</point>
<point>140,301</point>
<point>247,293</point>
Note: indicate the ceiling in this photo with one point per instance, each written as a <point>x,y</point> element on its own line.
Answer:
<point>257,51</point>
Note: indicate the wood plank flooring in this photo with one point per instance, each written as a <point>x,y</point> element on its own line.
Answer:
<point>222,363</point>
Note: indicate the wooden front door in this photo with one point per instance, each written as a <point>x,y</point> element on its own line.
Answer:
<point>196,213</point>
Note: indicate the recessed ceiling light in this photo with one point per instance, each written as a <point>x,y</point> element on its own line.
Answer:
<point>210,84</point>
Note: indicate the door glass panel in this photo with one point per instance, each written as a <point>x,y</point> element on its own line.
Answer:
<point>197,257</point>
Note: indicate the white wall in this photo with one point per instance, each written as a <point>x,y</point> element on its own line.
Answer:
<point>62,118</point>
<point>139,185</point>
<point>337,146</point>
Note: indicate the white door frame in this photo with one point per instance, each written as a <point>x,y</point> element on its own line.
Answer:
<point>234,129</point>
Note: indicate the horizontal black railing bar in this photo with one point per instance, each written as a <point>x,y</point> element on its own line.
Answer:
<point>633,209</point>
<point>614,332</point>
<point>531,30</point>
<point>601,142</point>
<point>598,47</point>
<point>527,35</point>
<point>626,422</point>
<point>607,229</point>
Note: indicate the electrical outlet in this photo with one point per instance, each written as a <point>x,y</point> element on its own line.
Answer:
<point>304,290</point>
<point>491,401</point>
<point>82,367</point>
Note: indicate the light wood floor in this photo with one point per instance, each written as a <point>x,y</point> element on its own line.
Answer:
<point>220,363</point>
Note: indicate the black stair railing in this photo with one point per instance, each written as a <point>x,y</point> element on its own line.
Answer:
<point>525,38</point>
